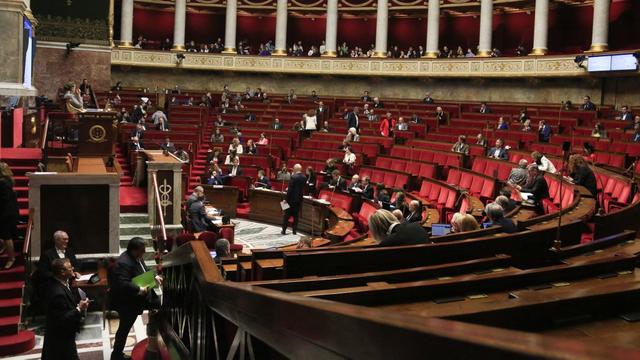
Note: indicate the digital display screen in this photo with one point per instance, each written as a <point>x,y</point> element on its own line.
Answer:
<point>620,62</point>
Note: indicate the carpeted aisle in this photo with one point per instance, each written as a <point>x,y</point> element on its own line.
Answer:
<point>133,199</point>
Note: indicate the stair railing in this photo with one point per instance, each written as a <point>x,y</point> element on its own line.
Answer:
<point>159,214</point>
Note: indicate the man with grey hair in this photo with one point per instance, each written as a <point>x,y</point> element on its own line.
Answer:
<point>222,250</point>
<point>507,204</point>
<point>60,250</point>
<point>197,212</point>
<point>293,201</point>
<point>495,213</point>
<point>415,212</point>
<point>519,175</point>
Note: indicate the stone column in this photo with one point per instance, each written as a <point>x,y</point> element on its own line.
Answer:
<point>541,28</point>
<point>382,22</point>
<point>12,72</point>
<point>433,29</point>
<point>600,33</point>
<point>126,24</point>
<point>230,27</point>
<point>179,23</point>
<point>486,28</point>
<point>281,28</point>
<point>331,36</point>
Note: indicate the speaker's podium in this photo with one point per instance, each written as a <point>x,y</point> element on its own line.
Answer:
<point>84,202</point>
<point>97,131</point>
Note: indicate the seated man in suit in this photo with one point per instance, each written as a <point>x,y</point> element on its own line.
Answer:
<point>441,116</point>
<point>234,169</point>
<point>537,186</point>
<point>136,144</point>
<point>495,213</point>
<point>402,125</point>
<point>276,124</point>
<point>337,183</point>
<point>263,180</point>
<point>498,152</point>
<point>355,184</point>
<point>127,298</point>
<point>215,179</point>
<point>427,99</point>
<point>484,108</point>
<point>461,145</point>
<point>388,231</point>
<point>60,250</point>
<point>415,212</point>
<point>367,188</point>
<point>65,311</point>
<point>167,145</point>
<point>195,206</point>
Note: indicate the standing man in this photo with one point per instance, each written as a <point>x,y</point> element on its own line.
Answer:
<point>64,314</point>
<point>60,250</point>
<point>353,120</point>
<point>127,298</point>
<point>294,198</point>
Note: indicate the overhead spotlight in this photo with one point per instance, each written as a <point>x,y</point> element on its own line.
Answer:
<point>579,60</point>
<point>180,57</point>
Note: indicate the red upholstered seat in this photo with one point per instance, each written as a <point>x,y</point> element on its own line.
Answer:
<point>361,218</point>
<point>229,234</point>
<point>209,238</point>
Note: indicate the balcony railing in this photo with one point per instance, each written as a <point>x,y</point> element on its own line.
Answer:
<point>527,66</point>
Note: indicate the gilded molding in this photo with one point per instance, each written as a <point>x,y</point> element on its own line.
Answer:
<point>545,66</point>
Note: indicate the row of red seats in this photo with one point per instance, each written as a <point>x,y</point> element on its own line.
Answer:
<point>371,150</point>
<point>391,179</point>
<point>439,195</point>
<point>615,190</point>
<point>442,158</point>
<point>386,143</point>
<point>415,168</point>
<point>557,196</point>
<point>479,185</point>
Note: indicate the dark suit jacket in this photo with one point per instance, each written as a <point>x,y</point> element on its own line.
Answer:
<point>265,181</point>
<point>352,122</point>
<point>340,184</point>
<point>367,192</point>
<point>508,226</point>
<point>124,293</point>
<point>295,190</point>
<point>238,171</point>
<point>627,117</point>
<point>44,264</point>
<point>215,180</point>
<point>414,217</point>
<point>63,322</point>
<point>168,147</point>
<point>589,106</point>
<point>406,234</point>
<point>502,155</point>
<point>584,176</point>
<point>198,216</point>
<point>538,187</point>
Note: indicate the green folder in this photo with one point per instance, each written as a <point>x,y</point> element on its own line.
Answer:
<point>147,279</point>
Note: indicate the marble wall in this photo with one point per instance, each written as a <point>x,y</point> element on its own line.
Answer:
<point>53,68</point>
<point>544,90</point>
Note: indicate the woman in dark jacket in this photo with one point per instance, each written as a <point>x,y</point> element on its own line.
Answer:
<point>9,213</point>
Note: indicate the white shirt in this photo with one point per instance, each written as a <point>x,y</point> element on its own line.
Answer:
<point>60,253</point>
<point>496,154</point>
<point>349,159</point>
<point>310,122</point>
<point>546,165</point>
<point>239,149</point>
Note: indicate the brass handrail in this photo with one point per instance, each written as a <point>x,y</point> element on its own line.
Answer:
<point>161,245</point>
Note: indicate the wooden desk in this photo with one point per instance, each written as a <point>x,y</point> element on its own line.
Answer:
<point>224,198</point>
<point>265,207</point>
<point>340,224</point>
<point>91,165</point>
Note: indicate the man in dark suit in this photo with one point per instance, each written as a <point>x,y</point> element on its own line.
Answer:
<point>167,145</point>
<point>337,183</point>
<point>127,298</point>
<point>276,124</point>
<point>498,152</point>
<point>353,119</point>
<point>415,212</point>
<point>366,97</point>
<point>262,181</point>
<point>587,105</point>
<point>295,191</point>
<point>536,185</point>
<point>60,250</point>
<point>215,179</point>
<point>234,169</point>
<point>544,131</point>
<point>441,116</point>
<point>626,115</point>
<point>64,314</point>
<point>197,211</point>
<point>427,99</point>
<point>495,213</point>
<point>367,189</point>
<point>321,113</point>
<point>484,109</point>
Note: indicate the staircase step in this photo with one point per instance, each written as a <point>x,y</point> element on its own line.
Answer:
<point>16,273</point>
<point>10,307</point>
<point>9,325</point>
<point>132,218</point>
<point>11,289</point>
<point>135,229</point>
<point>15,344</point>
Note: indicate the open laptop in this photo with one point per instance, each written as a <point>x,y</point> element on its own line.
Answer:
<point>440,229</point>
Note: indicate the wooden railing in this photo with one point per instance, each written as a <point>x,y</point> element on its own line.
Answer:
<point>201,313</point>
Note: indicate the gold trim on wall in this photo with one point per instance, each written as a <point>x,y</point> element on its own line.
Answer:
<point>543,66</point>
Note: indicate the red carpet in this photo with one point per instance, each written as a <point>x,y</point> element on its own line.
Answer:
<point>133,199</point>
<point>243,210</point>
<point>12,340</point>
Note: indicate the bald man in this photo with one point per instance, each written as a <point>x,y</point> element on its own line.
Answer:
<point>294,198</point>
<point>415,212</point>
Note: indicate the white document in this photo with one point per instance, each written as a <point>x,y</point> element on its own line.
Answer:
<point>85,277</point>
<point>525,195</point>
<point>284,205</point>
